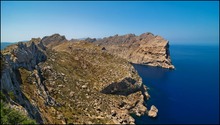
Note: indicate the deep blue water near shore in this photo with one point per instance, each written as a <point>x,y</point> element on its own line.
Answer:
<point>189,94</point>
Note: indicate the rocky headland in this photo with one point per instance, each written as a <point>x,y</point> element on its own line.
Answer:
<point>56,81</point>
<point>146,49</point>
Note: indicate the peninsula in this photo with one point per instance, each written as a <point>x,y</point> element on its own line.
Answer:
<point>57,81</point>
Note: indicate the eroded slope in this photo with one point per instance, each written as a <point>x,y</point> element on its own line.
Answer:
<point>72,82</point>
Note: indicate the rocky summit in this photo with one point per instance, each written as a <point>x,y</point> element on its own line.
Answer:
<point>56,81</point>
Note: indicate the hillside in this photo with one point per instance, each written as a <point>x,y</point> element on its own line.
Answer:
<point>56,81</point>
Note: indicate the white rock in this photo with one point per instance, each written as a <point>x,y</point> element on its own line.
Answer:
<point>84,86</point>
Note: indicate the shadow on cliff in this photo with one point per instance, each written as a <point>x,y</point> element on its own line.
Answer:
<point>124,87</point>
<point>33,111</point>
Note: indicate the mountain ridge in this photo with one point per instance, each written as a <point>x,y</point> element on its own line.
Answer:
<point>53,79</point>
<point>145,49</point>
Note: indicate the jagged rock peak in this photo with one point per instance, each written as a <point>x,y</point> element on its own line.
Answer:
<point>26,55</point>
<point>55,38</point>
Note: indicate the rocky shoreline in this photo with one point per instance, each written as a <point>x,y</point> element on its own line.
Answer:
<point>58,81</point>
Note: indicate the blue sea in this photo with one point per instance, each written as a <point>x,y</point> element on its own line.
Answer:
<point>5,44</point>
<point>190,93</point>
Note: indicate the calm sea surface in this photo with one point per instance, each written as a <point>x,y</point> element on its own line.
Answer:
<point>189,94</point>
<point>5,44</point>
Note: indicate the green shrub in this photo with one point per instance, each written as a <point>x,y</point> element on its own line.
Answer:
<point>2,96</point>
<point>11,95</point>
<point>11,116</point>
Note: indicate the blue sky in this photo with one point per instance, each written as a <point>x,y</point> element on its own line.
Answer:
<point>178,22</point>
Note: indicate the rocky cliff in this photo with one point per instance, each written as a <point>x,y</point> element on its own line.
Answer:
<point>13,59</point>
<point>57,81</point>
<point>145,49</point>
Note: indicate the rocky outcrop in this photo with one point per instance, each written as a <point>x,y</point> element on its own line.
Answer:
<point>10,85</point>
<point>53,40</point>
<point>27,56</point>
<point>124,87</point>
<point>90,39</point>
<point>153,111</point>
<point>145,49</point>
<point>132,105</point>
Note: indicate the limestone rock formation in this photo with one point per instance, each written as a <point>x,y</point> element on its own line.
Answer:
<point>53,80</point>
<point>21,56</point>
<point>53,40</point>
<point>145,49</point>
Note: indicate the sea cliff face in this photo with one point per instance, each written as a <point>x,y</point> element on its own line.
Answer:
<point>58,81</point>
<point>145,49</point>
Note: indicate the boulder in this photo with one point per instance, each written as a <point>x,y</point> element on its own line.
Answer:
<point>153,111</point>
<point>71,94</point>
<point>84,86</point>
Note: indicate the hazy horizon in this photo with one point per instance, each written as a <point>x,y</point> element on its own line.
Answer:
<point>185,22</point>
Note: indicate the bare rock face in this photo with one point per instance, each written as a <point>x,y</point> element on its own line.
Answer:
<point>53,40</point>
<point>21,64</point>
<point>153,111</point>
<point>21,56</point>
<point>27,56</point>
<point>145,49</point>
